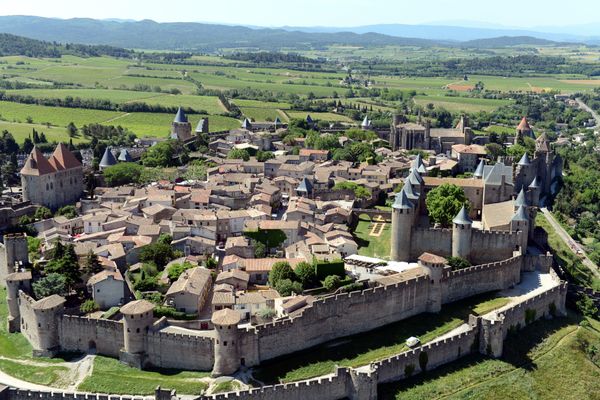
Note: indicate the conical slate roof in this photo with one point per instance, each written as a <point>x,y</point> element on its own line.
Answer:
<point>535,184</point>
<point>520,215</point>
<point>410,191</point>
<point>462,218</point>
<point>521,199</point>
<point>246,124</point>
<point>525,160</point>
<point>277,121</point>
<point>201,127</point>
<point>402,202</point>
<point>418,165</point>
<point>309,119</point>
<point>124,156</point>
<point>366,123</point>
<point>305,186</point>
<point>479,171</point>
<point>415,178</point>
<point>108,158</point>
<point>180,117</point>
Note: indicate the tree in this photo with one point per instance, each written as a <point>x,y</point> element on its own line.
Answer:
<point>89,306</point>
<point>52,284</point>
<point>176,270</point>
<point>260,250</point>
<point>286,287</point>
<point>123,174</point>
<point>281,270</point>
<point>458,263</point>
<point>67,265</point>
<point>92,263</point>
<point>444,202</point>
<point>332,282</point>
<point>158,253</point>
<point>69,212</point>
<point>586,306</point>
<point>42,213</point>
<point>27,145</point>
<point>211,263</point>
<point>262,156</point>
<point>360,191</point>
<point>238,154</point>
<point>159,155</point>
<point>165,238</point>
<point>72,130</point>
<point>306,274</point>
<point>494,150</point>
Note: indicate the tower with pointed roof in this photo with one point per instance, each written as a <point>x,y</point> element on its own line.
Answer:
<point>108,159</point>
<point>181,128</point>
<point>403,216</point>
<point>53,182</point>
<point>461,234</point>
<point>520,222</point>
<point>524,130</point>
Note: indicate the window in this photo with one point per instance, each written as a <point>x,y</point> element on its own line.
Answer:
<point>225,343</point>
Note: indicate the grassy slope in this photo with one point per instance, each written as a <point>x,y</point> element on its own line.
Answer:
<point>545,361</point>
<point>110,376</point>
<point>375,345</point>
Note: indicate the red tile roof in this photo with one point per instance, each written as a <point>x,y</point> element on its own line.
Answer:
<point>524,125</point>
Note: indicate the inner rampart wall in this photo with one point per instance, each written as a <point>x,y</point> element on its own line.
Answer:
<point>82,334</point>
<point>430,240</point>
<point>169,350</point>
<point>467,282</point>
<point>491,246</point>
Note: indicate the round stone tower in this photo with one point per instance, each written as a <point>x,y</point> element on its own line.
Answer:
<point>137,321</point>
<point>47,314</point>
<point>402,220</point>
<point>14,254</point>
<point>15,282</point>
<point>434,266</point>
<point>227,360</point>
<point>535,191</point>
<point>461,234</point>
<point>520,222</point>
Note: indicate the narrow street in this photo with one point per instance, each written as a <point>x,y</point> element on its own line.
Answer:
<point>588,109</point>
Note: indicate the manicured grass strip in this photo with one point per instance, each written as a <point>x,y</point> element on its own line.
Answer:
<point>110,376</point>
<point>52,376</point>
<point>372,246</point>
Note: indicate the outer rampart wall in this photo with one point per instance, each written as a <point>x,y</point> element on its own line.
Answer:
<point>19,394</point>
<point>168,350</point>
<point>457,285</point>
<point>81,334</point>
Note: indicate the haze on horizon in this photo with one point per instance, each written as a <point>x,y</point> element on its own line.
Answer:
<point>530,14</point>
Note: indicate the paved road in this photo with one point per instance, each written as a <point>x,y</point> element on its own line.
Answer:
<point>588,109</point>
<point>571,243</point>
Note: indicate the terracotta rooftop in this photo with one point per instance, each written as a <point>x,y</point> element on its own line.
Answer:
<point>137,307</point>
<point>432,259</point>
<point>524,125</point>
<point>48,302</point>
<point>63,158</point>
<point>226,317</point>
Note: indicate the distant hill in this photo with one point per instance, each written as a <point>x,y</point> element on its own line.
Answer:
<point>187,36</point>
<point>12,45</point>
<point>506,41</point>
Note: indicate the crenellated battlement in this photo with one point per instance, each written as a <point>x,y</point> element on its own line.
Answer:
<point>179,337</point>
<point>85,321</point>
<point>484,267</point>
<point>20,394</point>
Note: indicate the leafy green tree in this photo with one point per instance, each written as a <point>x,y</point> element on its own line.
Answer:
<point>160,155</point>
<point>262,156</point>
<point>260,250</point>
<point>165,238</point>
<point>92,263</point>
<point>444,202</point>
<point>494,150</point>
<point>238,154</point>
<point>360,191</point>
<point>42,213</point>
<point>458,263</point>
<point>72,130</point>
<point>176,270</point>
<point>67,265</point>
<point>306,274</point>
<point>586,306</point>
<point>52,284</point>
<point>281,270</point>
<point>332,282</point>
<point>69,212</point>
<point>89,306</point>
<point>123,174</point>
<point>286,287</point>
<point>211,263</point>
<point>158,253</point>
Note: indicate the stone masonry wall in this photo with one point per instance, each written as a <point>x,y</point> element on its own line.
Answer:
<point>463,283</point>
<point>435,241</point>
<point>490,246</point>
<point>169,350</point>
<point>82,334</point>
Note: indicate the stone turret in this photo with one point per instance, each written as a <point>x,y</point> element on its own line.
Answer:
<point>478,174</point>
<point>15,282</point>
<point>524,130</point>
<point>521,200</point>
<point>47,312</point>
<point>13,253</point>
<point>138,317</point>
<point>461,234</point>
<point>520,222</point>
<point>108,159</point>
<point>181,129</point>
<point>202,126</point>
<point>403,215</point>
<point>524,172</point>
<point>535,192</point>
<point>434,266</point>
<point>227,359</point>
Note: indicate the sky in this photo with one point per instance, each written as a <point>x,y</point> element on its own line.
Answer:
<point>334,13</point>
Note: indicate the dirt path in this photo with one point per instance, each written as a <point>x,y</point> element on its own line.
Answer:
<point>115,118</point>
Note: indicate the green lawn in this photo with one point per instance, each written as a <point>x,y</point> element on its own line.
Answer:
<point>375,345</point>
<point>110,376</point>
<point>371,246</point>
<point>461,104</point>
<point>547,360</point>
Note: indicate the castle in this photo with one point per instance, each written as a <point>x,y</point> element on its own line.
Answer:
<point>53,182</point>
<point>503,197</point>
<point>418,136</point>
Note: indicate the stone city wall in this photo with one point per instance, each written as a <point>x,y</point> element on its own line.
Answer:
<point>467,282</point>
<point>84,334</point>
<point>431,240</point>
<point>189,352</point>
<point>490,246</point>
<point>19,394</point>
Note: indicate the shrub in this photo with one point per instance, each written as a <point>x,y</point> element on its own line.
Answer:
<point>305,273</point>
<point>324,269</point>
<point>286,287</point>
<point>54,283</point>
<point>266,313</point>
<point>170,312</point>
<point>586,306</point>
<point>332,282</point>
<point>89,306</point>
<point>176,270</point>
<point>42,213</point>
<point>458,263</point>
<point>69,212</point>
<point>352,287</point>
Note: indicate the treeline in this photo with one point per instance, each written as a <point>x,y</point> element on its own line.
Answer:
<point>12,45</point>
<point>272,57</point>
<point>96,104</point>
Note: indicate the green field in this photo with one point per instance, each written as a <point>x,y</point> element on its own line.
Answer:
<point>372,246</point>
<point>58,116</point>
<point>548,360</point>
<point>319,116</point>
<point>22,131</point>
<point>461,104</point>
<point>110,376</point>
<point>159,124</point>
<point>375,345</point>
